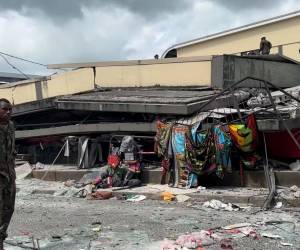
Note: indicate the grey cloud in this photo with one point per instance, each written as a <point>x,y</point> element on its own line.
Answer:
<point>243,5</point>
<point>64,9</point>
<point>53,8</point>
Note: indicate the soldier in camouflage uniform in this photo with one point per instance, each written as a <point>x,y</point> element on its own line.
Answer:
<point>7,168</point>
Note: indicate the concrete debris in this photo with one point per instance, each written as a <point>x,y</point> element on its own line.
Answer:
<point>224,235</point>
<point>295,166</point>
<point>71,239</point>
<point>260,100</point>
<point>23,171</point>
<point>278,205</point>
<point>234,226</point>
<point>218,205</point>
<point>292,193</point>
<point>294,188</point>
<point>39,165</point>
<point>96,229</point>
<point>297,194</point>
<point>284,230</point>
<point>199,188</point>
<point>272,236</point>
<point>69,183</point>
<point>286,244</point>
<point>182,198</point>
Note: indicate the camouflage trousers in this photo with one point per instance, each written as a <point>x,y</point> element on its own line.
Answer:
<point>7,204</point>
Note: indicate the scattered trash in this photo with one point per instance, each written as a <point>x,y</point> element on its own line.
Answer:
<point>182,197</point>
<point>199,188</point>
<point>100,195</point>
<point>204,238</point>
<point>167,196</point>
<point>218,205</point>
<point>278,205</point>
<point>137,198</point>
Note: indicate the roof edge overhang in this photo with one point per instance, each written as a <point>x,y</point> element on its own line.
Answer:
<point>130,62</point>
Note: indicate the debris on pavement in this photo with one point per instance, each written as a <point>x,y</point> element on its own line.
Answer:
<point>100,195</point>
<point>38,166</point>
<point>295,166</point>
<point>199,188</point>
<point>281,230</point>
<point>278,205</point>
<point>182,197</point>
<point>96,229</point>
<point>69,183</point>
<point>272,236</point>
<point>23,171</point>
<point>294,188</point>
<point>286,244</point>
<point>218,205</point>
<point>137,198</point>
<point>222,236</point>
<point>297,194</point>
<point>234,226</point>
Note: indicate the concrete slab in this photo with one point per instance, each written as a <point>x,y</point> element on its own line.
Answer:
<point>60,173</point>
<point>254,179</point>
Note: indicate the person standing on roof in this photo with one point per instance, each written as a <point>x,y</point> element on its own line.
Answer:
<point>265,46</point>
<point>7,168</point>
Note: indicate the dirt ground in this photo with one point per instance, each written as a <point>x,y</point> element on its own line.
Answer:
<point>61,222</point>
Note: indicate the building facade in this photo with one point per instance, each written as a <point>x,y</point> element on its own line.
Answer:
<point>282,31</point>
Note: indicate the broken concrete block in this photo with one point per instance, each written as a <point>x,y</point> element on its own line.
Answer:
<point>182,198</point>
<point>23,171</point>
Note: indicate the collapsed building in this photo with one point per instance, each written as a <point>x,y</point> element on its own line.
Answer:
<point>76,117</point>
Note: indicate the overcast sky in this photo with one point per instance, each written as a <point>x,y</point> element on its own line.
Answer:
<point>59,31</point>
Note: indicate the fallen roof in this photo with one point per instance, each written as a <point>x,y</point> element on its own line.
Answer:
<point>141,101</point>
<point>161,96</point>
<point>234,30</point>
<point>88,128</point>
